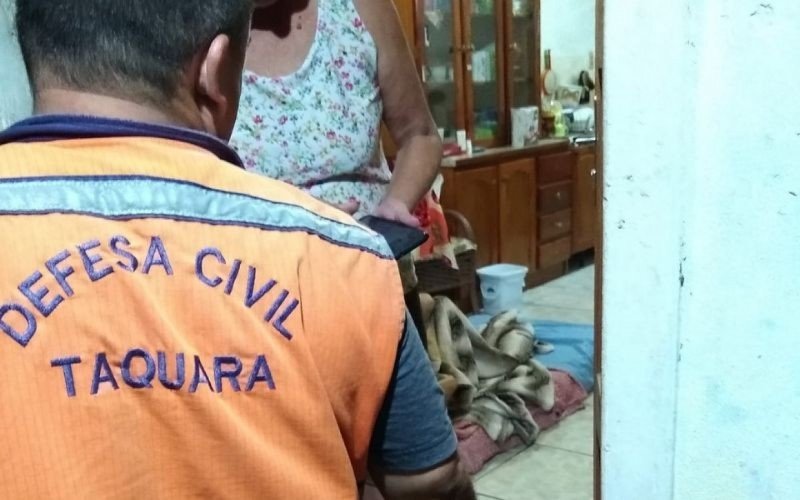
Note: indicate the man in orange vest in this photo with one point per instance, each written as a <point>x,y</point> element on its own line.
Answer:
<point>171,326</point>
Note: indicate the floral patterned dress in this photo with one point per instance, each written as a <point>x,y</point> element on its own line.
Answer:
<point>319,128</point>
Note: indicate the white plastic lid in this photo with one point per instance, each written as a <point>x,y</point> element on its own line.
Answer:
<point>503,271</point>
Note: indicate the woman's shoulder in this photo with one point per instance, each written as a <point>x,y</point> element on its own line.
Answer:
<point>373,13</point>
<point>381,21</point>
<point>347,16</point>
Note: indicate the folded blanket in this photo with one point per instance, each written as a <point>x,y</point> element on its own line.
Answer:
<point>488,377</point>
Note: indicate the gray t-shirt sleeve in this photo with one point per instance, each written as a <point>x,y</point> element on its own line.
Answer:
<point>413,432</point>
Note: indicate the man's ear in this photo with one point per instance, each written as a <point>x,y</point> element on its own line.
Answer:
<point>219,85</point>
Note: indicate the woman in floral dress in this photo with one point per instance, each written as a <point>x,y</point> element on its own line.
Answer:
<point>320,77</point>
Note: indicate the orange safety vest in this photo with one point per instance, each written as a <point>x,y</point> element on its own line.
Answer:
<point>174,327</point>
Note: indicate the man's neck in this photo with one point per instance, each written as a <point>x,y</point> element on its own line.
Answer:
<point>56,101</point>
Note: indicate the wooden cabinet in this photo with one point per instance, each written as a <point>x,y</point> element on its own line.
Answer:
<point>475,194</point>
<point>523,39</point>
<point>554,253</point>
<point>555,185</point>
<point>477,60</point>
<point>535,207</point>
<point>555,226</point>
<point>555,168</point>
<point>501,197</point>
<point>585,213</point>
<point>518,212</point>
<point>555,197</point>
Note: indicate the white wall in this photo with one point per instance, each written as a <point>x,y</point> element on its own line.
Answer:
<point>568,29</point>
<point>15,98</point>
<point>702,256</point>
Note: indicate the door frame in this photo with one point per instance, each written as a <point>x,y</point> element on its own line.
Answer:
<point>599,247</point>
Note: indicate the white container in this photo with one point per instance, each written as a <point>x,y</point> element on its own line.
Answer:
<point>524,126</point>
<point>461,139</point>
<point>501,287</point>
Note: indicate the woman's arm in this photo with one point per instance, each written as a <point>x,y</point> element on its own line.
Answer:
<point>406,113</point>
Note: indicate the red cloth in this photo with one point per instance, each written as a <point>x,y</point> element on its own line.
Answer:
<point>431,217</point>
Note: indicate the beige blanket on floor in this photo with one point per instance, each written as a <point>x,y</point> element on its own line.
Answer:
<point>488,377</point>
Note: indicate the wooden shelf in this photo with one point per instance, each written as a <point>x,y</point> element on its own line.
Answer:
<point>503,154</point>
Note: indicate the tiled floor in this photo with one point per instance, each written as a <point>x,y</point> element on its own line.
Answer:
<point>560,466</point>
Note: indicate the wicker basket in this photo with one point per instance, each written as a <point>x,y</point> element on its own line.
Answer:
<point>436,277</point>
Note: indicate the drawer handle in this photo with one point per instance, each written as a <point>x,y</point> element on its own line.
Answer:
<point>559,195</point>
<point>560,225</point>
<point>594,172</point>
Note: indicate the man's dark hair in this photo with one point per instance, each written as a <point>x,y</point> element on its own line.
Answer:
<point>122,48</point>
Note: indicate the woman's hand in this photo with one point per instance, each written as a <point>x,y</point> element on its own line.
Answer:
<point>390,209</point>
<point>397,211</point>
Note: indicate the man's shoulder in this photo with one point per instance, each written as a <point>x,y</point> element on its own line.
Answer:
<point>295,209</point>
<point>183,182</point>
<point>276,191</point>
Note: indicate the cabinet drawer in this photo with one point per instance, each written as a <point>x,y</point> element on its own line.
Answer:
<point>555,198</point>
<point>554,168</point>
<point>555,226</point>
<point>555,252</point>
